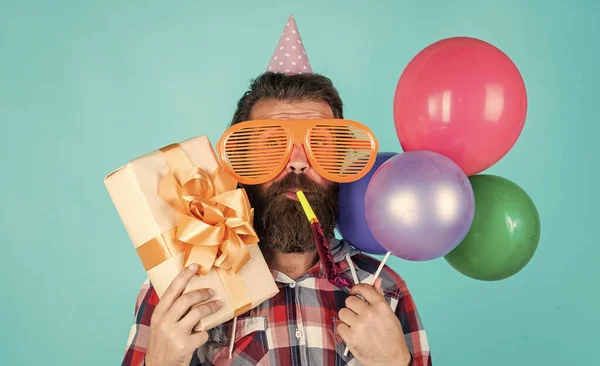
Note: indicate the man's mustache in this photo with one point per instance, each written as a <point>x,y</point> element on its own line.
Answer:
<point>294,181</point>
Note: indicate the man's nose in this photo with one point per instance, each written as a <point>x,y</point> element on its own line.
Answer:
<point>298,161</point>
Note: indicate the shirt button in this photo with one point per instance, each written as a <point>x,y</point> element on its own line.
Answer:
<point>298,334</point>
<point>293,284</point>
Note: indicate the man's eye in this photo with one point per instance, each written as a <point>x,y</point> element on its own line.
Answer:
<point>320,142</point>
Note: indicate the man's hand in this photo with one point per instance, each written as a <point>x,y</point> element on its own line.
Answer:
<point>371,330</point>
<point>172,341</point>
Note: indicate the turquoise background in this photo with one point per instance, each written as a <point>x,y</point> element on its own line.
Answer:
<point>87,86</point>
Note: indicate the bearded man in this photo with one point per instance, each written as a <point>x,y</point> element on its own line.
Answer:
<point>310,321</point>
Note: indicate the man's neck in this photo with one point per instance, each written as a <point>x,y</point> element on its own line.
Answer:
<point>292,265</point>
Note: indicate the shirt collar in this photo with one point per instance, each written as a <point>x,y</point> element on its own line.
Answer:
<point>339,249</point>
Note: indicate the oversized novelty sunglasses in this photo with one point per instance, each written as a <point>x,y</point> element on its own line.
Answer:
<point>255,152</point>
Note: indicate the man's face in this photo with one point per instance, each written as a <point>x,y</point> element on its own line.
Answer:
<point>279,220</point>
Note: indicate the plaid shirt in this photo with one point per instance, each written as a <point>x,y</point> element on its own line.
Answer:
<point>295,327</point>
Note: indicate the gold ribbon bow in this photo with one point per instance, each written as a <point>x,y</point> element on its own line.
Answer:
<point>215,219</point>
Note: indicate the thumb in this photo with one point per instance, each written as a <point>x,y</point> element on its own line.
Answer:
<point>377,285</point>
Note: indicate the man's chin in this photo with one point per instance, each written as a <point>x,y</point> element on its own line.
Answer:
<point>284,228</point>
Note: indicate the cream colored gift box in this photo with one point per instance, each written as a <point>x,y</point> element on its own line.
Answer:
<point>148,218</point>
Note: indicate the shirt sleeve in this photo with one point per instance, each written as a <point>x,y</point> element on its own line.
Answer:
<point>137,341</point>
<point>415,335</point>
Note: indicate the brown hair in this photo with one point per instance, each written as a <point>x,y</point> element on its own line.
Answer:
<point>298,87</point>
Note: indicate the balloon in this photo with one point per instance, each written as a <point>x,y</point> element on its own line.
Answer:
<point>419,205</point>
<point>463,98</point>
<point>351,220</point>
<point>504,234</point>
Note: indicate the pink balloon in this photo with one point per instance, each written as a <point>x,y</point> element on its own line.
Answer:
<point>463,98</point>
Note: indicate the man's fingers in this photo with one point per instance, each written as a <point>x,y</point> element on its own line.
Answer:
<point>186,302</point>
<point>368,293</point>
<point>348,316</point>
<point>175,289</point>
<point>198,339</point>
<point>343,330</point>
<point>355,304</point>
<point>193,317</point>
<point>377,286</point>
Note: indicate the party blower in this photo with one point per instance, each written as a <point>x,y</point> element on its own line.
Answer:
<point>322,245</point>
<point>325,252</point>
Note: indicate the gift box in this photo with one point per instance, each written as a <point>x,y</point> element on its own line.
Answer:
<point>179,207</point>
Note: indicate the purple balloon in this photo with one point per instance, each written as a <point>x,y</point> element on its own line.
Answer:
<point>351,221</point>
<point>419,205</point>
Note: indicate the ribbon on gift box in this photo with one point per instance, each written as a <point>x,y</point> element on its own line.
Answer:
<point>214,224</point>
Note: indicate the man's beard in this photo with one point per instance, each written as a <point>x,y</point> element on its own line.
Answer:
<point>280,222</point>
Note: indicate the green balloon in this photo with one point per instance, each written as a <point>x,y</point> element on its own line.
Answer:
<point>504,234</point>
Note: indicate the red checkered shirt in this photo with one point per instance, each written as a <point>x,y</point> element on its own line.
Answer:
<point>295,327</point>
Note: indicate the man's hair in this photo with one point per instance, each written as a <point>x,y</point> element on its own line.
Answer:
<point>288,88</point>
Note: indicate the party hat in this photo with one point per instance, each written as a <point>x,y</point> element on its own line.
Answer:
<point>290,55</point>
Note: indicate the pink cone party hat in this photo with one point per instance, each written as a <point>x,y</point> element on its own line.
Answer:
<point>290,56</point>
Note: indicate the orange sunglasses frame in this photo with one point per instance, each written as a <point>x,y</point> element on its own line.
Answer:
<point>298,132</point>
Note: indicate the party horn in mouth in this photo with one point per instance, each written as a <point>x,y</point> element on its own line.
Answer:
<point>323,245</point>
